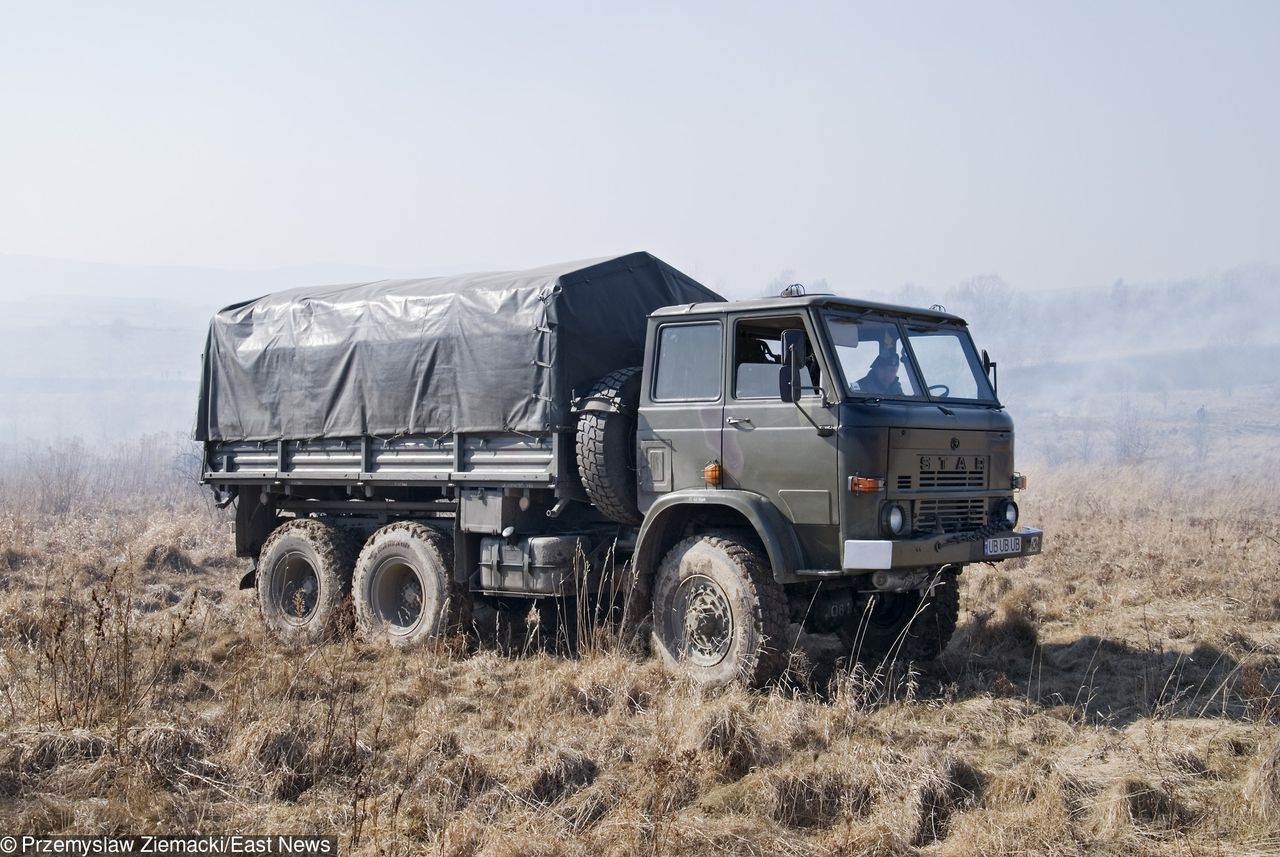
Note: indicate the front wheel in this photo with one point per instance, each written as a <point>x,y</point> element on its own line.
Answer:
<point>403,587</point>
<point>906,626</point>
<point>718,614</point>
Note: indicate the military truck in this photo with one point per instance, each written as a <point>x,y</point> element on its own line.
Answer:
<point>436,449</point>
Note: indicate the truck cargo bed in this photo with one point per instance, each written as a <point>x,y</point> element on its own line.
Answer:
<point>490,457</point>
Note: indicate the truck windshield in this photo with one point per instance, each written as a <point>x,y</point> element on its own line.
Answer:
<point>871,356</point>
<point>891,358</point>
<point>948,364</point>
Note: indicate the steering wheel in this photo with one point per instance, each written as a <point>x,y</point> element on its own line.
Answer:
<point>946,391</point>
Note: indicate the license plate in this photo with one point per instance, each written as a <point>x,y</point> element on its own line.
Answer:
<point>1001,546</point>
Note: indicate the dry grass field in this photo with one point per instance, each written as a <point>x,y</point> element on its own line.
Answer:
<point>1116,695</point>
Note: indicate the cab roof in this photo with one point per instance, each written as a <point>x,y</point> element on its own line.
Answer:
<point>835,302</point>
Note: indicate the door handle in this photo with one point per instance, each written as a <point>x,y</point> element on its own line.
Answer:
<point>733,421</point>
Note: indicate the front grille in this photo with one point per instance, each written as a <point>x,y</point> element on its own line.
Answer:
<point>953,479</point>
<point>952,516</point>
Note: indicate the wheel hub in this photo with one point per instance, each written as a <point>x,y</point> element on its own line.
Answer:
<point>299,588</point>
<point>410,602</point>
<point>708,621</point>
<point>396,595</point>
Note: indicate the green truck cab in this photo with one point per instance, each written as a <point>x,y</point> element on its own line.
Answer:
<point>863,497</point>
<point>720,472</point>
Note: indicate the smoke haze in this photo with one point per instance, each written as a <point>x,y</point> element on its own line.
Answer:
<point>1131,372</point>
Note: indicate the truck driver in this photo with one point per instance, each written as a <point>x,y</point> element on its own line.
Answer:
<point>882,380</point>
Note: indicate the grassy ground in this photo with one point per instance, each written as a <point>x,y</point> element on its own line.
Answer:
<point>1116,695</point>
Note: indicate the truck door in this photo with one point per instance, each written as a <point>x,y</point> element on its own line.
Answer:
<point>681,407</point>
<point>776,448</point>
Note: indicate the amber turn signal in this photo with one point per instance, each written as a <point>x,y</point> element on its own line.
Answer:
<point>865,484</point>
<point>1019,482</point>
<point>711,474</point>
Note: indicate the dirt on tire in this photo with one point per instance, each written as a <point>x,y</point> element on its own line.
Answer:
<point>330,555</point>
<point>429,553</point>
<point>755,648</point>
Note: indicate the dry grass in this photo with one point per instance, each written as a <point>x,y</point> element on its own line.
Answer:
<point>1116,695</point>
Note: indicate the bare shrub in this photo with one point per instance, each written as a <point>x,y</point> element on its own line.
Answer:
<point>68,476</point>
<point>1132,434</point>
<point>63,476</point>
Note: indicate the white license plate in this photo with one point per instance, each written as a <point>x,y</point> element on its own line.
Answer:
<point>1001,546</point>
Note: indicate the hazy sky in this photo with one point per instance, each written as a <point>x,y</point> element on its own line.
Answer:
<point>1063,144</point>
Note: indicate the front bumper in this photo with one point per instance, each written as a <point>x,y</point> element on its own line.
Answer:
<point>877,554</point>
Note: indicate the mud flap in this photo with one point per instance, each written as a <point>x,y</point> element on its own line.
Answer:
<point>250,579</point>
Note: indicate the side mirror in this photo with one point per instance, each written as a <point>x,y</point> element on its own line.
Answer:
<point>795,352</point>
<point>989,369</point>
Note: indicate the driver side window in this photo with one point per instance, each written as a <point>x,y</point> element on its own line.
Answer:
<point>757,358</point>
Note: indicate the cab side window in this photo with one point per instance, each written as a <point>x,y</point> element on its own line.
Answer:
<point>689,362</point>
<point>757,358</point>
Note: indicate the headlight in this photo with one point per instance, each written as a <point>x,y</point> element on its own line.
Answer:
<point>1007,513</point>
<point>893,520</point>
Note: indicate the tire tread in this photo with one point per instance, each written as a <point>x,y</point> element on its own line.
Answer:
<point>929,632</point>
<point>607,473</point>
<point>770,608</point>
<point>336,551</point>
<point>455,614</point>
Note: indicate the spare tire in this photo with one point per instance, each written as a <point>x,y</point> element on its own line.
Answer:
<point>606,445</point>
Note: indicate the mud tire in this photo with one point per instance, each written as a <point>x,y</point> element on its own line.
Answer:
<point>906,626</point>
<point>606,447</point>
<point>403,589</point>
<point>704,580</point>
<point>302,581</point>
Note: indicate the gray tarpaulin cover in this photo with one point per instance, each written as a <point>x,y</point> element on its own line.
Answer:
<point>474,352</point>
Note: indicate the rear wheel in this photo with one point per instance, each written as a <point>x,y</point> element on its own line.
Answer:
<point>718,614</point>
<point>304,574</point>
<point>906,626</point>
<point>403,589</point>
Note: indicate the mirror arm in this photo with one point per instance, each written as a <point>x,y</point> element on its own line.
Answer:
<point>823,431</point>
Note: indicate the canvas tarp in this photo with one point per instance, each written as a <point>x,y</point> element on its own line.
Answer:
<point>471,353</point>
